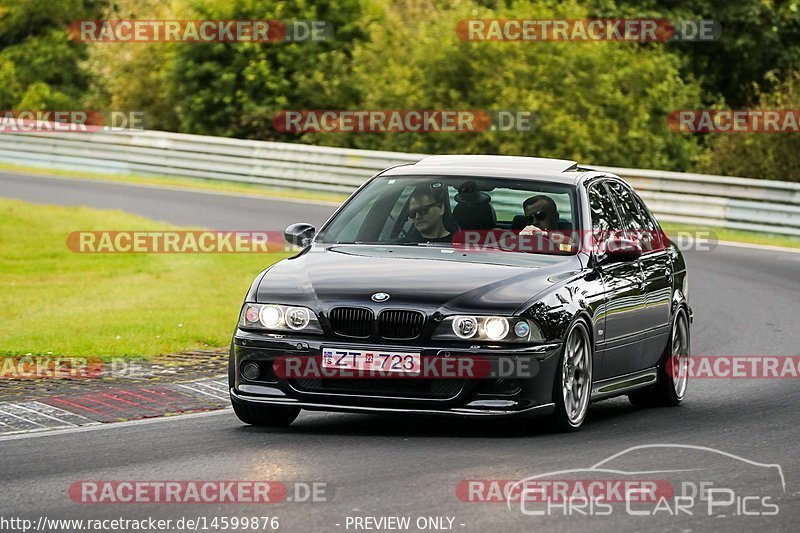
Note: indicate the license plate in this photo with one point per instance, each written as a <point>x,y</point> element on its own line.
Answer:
<point>375,360</point>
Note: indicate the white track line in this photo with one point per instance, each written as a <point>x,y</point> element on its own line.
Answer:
<point>216,397</point>
<point>112,425</point>
<point>759,247</point>
<point>217,384</point>
<point>43,409</point>
<point>217,393</point>
<point>31,422</point>
<point>37,417</point>
<point>44,414</point>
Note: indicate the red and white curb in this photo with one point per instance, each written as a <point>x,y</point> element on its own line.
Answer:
<point>112,405</point>
<point>18,417</point>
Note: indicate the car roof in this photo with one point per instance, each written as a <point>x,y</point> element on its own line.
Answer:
<point>561,171</point>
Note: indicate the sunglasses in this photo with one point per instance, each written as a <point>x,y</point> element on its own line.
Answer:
<point>537,216</point>
<point>421,210</point>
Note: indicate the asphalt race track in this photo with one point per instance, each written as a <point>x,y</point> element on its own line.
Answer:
<point>746,302</point>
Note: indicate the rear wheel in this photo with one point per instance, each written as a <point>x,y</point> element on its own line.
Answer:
<point>673,370</point>
<point>572,387</point>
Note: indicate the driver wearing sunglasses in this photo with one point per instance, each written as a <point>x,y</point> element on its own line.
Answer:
<point>542,214</point>
<point>427,214</point>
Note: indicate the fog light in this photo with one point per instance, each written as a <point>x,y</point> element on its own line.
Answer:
<point>496,328</point>
<point>508,387</point>
<point>251,371</point>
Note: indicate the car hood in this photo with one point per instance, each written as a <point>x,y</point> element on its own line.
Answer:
<point>426,278</point>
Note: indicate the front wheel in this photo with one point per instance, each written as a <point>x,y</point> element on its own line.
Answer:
<point>572,387</point>
<point>673,370</point>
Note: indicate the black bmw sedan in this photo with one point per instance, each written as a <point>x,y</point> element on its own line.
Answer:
<point>469,286</point>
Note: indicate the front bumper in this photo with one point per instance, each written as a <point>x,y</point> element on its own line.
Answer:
<point>521,380</point>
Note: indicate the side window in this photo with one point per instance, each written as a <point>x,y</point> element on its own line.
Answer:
<point>636,222</point>
<point>605,220</point>
<point>604,216</point>
<point>658,239</point>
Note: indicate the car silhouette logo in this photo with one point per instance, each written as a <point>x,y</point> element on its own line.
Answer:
<point>380,297</point>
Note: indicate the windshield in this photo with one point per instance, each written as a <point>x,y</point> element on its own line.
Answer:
<point>449,211</point>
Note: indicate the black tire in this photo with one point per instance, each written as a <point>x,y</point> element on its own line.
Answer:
<point>562,420</point>
<point>265,415</point>
<point>665,393</point>
<point>258,415</point>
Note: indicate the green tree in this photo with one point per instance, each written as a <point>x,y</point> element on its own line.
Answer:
<point>138,76</point>
<point>10,88</point>
<point>597,102</point>
<point>234,89</point>
<point>759,155</point>
<point>45,64</point>
<point>760,42</point>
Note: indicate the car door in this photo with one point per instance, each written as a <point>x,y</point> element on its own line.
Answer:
<point>621,335</point>
<point>656,269</point>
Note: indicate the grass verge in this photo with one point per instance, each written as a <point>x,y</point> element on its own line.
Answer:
<point>54,301</point>
<point>722,234</point>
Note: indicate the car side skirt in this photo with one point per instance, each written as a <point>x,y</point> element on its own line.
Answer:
<point>624,384</point>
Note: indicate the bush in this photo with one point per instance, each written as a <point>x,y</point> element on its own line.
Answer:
<point>597,102</point>
<point>758,155</point>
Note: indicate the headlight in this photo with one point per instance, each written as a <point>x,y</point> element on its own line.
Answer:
<point>270,316</point>
<point>496,328</point>
<point>489,328</point>
<point>279,318</point>
<point>465,327</point>
<point>297,317</point>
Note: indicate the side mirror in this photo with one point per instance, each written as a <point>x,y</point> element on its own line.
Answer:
<point>299,234</point>
<point>619,250</point>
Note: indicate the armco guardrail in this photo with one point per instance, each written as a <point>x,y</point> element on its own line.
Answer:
<point>736,203</point>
